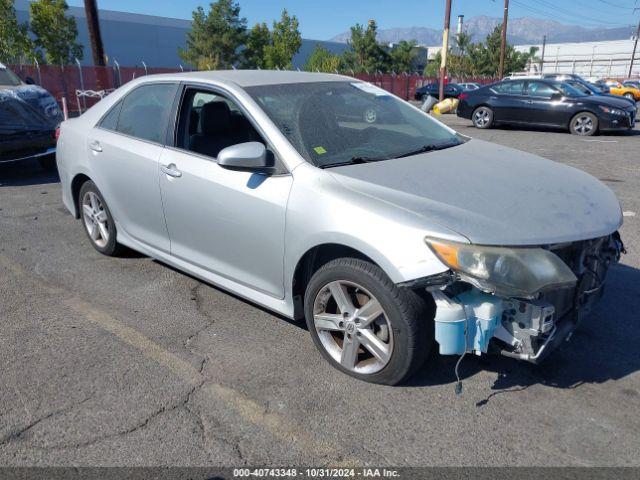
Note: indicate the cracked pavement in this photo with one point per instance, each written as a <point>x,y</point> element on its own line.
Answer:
<point>126,361</point>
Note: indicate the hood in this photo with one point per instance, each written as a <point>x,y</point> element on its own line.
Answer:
<point>491,194</point>
<point>30,106</point>
<point>608,100</point>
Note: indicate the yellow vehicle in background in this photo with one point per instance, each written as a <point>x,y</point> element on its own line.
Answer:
<point>628,91</point>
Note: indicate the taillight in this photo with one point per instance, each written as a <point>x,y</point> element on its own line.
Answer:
<point>57,134</point>
<point>462,96</point>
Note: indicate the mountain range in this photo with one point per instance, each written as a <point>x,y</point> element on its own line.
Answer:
<point>521,31</point>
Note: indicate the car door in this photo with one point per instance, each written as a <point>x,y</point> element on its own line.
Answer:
<point>546,104</point>
<point>508,101</point>
<point>228,222</point>
<point>125,149</point>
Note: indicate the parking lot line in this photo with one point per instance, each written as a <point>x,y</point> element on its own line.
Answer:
<point>251,412</point>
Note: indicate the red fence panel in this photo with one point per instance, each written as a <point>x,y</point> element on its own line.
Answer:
<point>63,81</point>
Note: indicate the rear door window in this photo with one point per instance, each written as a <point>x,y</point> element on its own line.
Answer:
<point>110,120</point>
<point>509,88</point>
<point>540,89</point>
<point>145,112</point>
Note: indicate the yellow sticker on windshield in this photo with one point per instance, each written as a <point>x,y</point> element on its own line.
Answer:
<point>319,150</point>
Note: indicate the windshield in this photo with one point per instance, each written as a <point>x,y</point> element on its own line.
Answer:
<point>569,91</point>
<point>336,123</point>
<point>582,87</point>
<point>7,77</point>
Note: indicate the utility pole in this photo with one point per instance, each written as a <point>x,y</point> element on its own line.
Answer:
<point>635,46</point>
<point>544,44</point>
<point>445,47</point>
<point>503,43</point>
<point>91,11</point>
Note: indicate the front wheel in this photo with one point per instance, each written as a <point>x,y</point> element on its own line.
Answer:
<point>482,117</point>
<point>630,96</point>
<point>584,124</point>
<point>365,325</point>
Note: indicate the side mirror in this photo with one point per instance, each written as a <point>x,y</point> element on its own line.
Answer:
<point>29,81</point>
<point>249,157</point>
<point>556,96</point>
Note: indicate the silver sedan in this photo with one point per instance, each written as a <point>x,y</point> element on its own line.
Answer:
<point>325,198</point>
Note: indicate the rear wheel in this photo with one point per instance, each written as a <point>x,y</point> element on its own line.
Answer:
<point>365,325</point>
<point>97,220</point>
<point>482,117</point>
<point>630,96</point>
<point>584,124</point>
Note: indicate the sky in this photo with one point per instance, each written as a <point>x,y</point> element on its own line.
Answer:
<point>322,19</point>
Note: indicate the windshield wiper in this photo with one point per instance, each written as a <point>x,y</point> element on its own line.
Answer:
<point>427,148</point>
<point>361,159</point>
<point>354,161</point>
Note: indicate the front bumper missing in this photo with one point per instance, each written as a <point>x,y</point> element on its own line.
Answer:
<point>470,320</point>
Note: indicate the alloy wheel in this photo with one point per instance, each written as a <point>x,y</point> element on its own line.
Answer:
<point>353,327</point>
<point>482,117</point>
<point>95,219</point>
<point>583,124</point>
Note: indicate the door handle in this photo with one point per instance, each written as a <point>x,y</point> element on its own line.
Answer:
<point>171,170</point>
<point>95,146</point>
<point>529,102</point>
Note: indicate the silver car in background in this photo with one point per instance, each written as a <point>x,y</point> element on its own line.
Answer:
<point>383,232</point>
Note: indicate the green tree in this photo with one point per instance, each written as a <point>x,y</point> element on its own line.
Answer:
<point>14,39</point>
<point>432,68</point>
<point>365,53</point>
<point>485,58</point>
<point>215,37</point>
<point>402,56</point>
<point>322,60</point>
<point>55,31</point>
<point>285,42</point>
<point>257,41</point>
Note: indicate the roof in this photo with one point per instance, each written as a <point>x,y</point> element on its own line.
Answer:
<point>251,78</point>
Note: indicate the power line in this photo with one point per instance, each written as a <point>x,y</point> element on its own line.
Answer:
<point>553,16</point>
<point>616,5</point>
<point>554,7</point>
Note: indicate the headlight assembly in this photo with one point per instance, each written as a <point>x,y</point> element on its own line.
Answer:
<point>514,272</point>
<point>611,111</point>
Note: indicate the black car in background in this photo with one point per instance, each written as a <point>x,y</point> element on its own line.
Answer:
<point>543,102</point>
<point>581,84</point>
<point>451,90</point>
<point>29,116</point>
<point>632,83</point>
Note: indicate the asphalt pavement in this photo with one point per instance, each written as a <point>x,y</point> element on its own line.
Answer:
<point>126,361</point>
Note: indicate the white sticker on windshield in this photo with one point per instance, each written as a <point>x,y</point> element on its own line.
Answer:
<point>368,88</point>
<point>2,66</point>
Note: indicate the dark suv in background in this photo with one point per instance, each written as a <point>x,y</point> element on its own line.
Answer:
<point>29,116</point>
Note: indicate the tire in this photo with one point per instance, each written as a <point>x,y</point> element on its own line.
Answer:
<point>584,124</point>
<point>482,117</point>
<point>91,197</point>
<point>401,330</point>
<point>630,96</point>
<point>48,163</point>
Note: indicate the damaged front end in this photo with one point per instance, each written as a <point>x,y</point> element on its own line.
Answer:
<point>519,302</point>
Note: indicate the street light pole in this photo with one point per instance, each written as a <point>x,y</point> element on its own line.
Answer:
<point>503,43</point>
<point>445,48</point>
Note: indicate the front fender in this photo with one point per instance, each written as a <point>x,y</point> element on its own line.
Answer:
<point>321,211</point>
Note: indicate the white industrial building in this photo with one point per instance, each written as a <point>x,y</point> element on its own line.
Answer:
<point>588,59</point>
